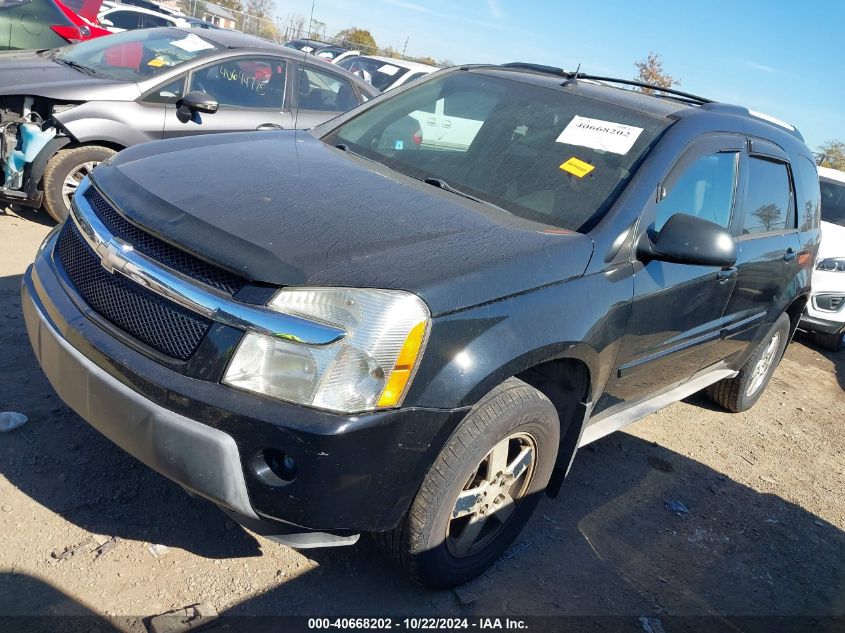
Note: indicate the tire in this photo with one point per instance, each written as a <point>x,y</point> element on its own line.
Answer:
<point>515,412</point>
<point>69,164</point>
<point>741,392</point>
<point>833,342</point>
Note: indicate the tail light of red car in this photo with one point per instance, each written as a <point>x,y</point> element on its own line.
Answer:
<point>78,30</point>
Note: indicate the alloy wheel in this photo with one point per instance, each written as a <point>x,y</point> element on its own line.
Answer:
<point>761,369</point>
<point>491,494</point>
<point>74,178</point>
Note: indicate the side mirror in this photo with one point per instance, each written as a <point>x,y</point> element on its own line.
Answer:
<point>686,239</point>
<point>195,102</point>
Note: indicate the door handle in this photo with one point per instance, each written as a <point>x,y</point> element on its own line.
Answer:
<point>723,276</point>
<point>431,121</point>
<point>265,127</point>
<point>789,255</point>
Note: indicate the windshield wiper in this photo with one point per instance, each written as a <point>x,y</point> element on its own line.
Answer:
<point>76,65</point>
<point>445,186</point>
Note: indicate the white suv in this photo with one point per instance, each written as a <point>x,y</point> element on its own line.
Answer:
<point>825,314</point>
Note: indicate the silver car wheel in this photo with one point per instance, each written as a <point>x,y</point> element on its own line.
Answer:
<point>491,494</point>
<point>75,177</point>
<point>761,369</point>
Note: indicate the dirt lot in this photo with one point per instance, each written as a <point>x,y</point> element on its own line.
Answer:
<point>765,533</point>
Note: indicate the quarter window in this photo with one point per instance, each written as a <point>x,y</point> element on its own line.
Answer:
<point>244,83</point>
<point>807,184</point>
<point>767,205</point>
<point>705,189</point>
<point>169,93</point>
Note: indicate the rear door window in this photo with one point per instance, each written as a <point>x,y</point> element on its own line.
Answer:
<point>325,91</point>
<point>151,21</point>
<point>124,19</point>
<point>767,206</point>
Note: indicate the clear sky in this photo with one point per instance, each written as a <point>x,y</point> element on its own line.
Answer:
<point>781,57</point>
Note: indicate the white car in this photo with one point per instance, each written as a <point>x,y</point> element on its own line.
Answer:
<point>123,17</point>
<point>385,73</point>
<point>825,314</point>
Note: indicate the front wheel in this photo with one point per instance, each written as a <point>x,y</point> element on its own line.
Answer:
<point>481,490</point>
<point>65,171</point>
<point>741,392</point>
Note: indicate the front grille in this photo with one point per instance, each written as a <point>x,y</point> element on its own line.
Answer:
<point>160,250</point>
<point>156,322</point>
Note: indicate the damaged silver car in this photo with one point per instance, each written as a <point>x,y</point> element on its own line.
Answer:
<point>64,111</point>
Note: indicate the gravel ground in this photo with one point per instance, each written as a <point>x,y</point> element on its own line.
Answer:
<point>765,534</point>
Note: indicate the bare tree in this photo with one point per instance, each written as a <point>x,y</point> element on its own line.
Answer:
<point>650,71</point>
<point>832,154</point>
<point>768,214</point>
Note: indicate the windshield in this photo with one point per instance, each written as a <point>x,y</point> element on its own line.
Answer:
<point>380,74</point>
<point>544,154</point>
<point>134,55</point>
<point>833,201</point>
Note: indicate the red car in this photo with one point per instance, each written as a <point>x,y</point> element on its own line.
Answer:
<point>40,24</point>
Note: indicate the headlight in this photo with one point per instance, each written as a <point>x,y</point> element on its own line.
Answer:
<point>832,264</point>
<point>369,368</point>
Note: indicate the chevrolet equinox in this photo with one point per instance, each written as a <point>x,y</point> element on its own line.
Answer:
<point>395,326</point>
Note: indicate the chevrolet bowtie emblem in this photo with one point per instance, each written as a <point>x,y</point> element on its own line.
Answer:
<point>111,255</point>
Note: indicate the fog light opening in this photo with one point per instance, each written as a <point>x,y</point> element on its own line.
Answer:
<point>274,467</point>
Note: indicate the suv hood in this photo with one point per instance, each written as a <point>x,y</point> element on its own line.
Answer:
<point>284,208</point>
<point>28,73</point>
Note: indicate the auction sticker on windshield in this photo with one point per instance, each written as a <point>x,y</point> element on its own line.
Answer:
<point>597,134</point>
<point>577,167</point>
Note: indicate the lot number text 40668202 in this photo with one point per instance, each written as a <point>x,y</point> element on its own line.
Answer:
<point>422,623</point>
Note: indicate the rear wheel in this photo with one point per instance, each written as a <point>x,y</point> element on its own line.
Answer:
<point>65,172</point>
<point>834,342</point>
<point>741,392</point>
<point>481,490</point>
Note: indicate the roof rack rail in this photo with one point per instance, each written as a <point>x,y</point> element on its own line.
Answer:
<point>551,70</point>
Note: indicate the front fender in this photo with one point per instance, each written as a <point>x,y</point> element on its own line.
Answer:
<point>95,130</point>
<point>472,351</point>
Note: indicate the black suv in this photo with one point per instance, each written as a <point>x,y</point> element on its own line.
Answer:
<point>376,327</point>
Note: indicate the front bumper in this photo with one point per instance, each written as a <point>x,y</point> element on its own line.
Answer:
<point>354,473</point>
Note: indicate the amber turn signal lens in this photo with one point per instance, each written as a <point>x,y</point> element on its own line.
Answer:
<point>401,374</point>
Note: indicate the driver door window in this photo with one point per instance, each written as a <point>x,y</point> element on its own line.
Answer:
<point>257,83</point>
<point>704,189</point>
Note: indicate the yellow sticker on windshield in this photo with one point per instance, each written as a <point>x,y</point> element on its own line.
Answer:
<point>156,62</point>
<point>577,167</point>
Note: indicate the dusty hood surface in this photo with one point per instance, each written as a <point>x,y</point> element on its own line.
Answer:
<point>284,208</point>
<point>28,73</point>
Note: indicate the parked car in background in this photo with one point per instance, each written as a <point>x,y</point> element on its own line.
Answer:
<point>385,73</point>
<point>196,23</point>
<point>336,53</point>
<point>825,315</point>
<point>307,45</point>
<point>40,24</point>
<point>328,335</point>
<point>120,17</point>
<point>152,6</point>
<point>63,112</point>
